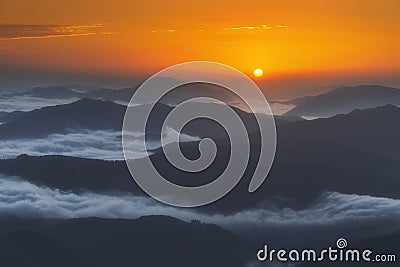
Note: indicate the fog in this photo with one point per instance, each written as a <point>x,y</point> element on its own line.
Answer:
<point>354,216</point>
<point>96,144</point>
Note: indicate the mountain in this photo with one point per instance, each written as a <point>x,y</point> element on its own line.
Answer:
<point>53,92</point>
<point>124,95</point>
<point>72,174</point>
<point>146,241</point>
<point>177,95</point>
<point>295,101</point>
<point>38,250</point>
<point>188,91</point>
<point>10,116</point>
<point>66,92</point>
<point>351,154</point>
<point>339,154</point>
<point>85,113</point>
<point>104,115</point>
<point>345,99</point>
<point>3,114</point>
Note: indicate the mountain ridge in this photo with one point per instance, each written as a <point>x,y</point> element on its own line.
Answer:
<point>338,154</point>
<point>124,242</point>
<point>94,114</point>
<point>345,99</point>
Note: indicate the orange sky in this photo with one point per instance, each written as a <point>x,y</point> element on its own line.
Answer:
<point>284,38</point>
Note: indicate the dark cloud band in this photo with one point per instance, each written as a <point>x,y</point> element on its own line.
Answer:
<point>20,31</point>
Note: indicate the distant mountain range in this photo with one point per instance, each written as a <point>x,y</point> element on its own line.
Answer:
<point>339,101</point>
<point>97,115</point>
<point>66,92</point>
<point>344,100</point>
<point>124,95</point>
<point>295,101</point>
<point>146,241</point>
<point>85,113</point>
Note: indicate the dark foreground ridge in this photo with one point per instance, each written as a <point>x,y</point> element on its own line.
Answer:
<point>146,241</point>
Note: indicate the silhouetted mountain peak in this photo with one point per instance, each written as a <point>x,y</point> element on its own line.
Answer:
<point>58,89</point>
<point>52,92</point>
<point>345,99</point>
<point>388,109</point>
<point>81,114</point>
<point>89,102</point>
<point>365,89</point>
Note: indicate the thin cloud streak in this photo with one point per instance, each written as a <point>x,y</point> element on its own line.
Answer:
<point>257,27</point>
<point>167,30</point>
<point>22,32</point>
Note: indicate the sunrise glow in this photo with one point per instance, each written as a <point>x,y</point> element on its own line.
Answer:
<point>311,41</point>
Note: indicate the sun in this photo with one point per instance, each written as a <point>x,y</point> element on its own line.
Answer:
<point>258,73</point>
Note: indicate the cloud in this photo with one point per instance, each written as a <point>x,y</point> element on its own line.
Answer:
<point>20,31</point>
<point>354,216</point>
<point>84,143</point>
<point>164,30</point>
<point>331,216</point>
<point>257,27</point>
<point>279,108</point>
<point>97,144</point>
